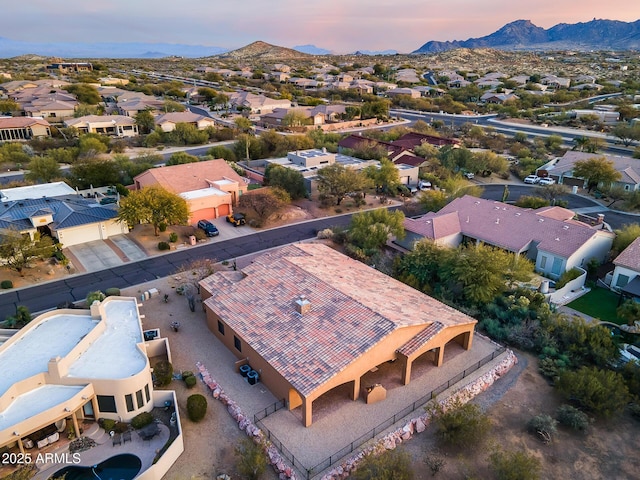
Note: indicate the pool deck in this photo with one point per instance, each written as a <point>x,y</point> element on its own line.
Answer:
<point>145,450</point>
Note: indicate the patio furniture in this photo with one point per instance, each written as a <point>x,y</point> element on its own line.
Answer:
<point>117,439</point>
<point>126,437</point>
<point>148,432</point>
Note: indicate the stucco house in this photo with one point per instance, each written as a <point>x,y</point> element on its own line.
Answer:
<point>211,188</point>
<point>627,267</point>
<point>257,103</point>
<point>71,220</point>
<point>114,125</point>
<point>548,236</point>
<point>23,128</point>
<point>168,121</point>
<point>325,320</point>
<point>67,366</point>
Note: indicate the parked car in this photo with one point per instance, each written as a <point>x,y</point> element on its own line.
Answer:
<point>424,185</point>
<point>108,200</point>
<point>546,181</point>
<point>209,228</point>
<point>236,219</point>
<point>469,175</point>
<point>532,179</point>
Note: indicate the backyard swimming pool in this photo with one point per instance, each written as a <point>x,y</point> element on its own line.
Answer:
<point>122,467</point>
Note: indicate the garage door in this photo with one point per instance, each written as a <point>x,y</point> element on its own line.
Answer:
<point>77,235</point>
<point>223,210</point>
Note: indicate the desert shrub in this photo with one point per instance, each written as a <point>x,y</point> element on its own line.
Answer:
<point>112,292</point>
<point>23,472</point>
<point>251,459</point>
<point>163,371</point>
<point>190,381</point>
<point>462,424</point>
<point>187,373</point>
<point>173,237</point>
<point>528,201</point>
<point>514,465</point>
<point>6,284</point>
<point>162,226</point>
<point>389,465</point>
<point>141,420</point>
<point>567,276</point>
<point>107,424</point>
<point>542,425</point>
<point>120,427</point>
<point>196,407</point>
<point>163,246</point>
<point>602,392</point>
<point>93,296</point>
<point>573,418</point>
<point>199,234</point>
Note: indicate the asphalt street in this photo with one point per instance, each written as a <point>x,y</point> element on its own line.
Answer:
<point>47,296</point>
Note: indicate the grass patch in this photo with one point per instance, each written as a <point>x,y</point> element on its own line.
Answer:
<point>598,303</point>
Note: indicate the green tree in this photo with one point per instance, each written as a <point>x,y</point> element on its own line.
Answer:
<point>98,172</point>
<point>596,171</point>
<point>179,158</point>
<point>554,142</point>
<point>196,407</point>
<point>295,118</point>
<point>153,205</point>
<point>7,106</point>
<point>337,181</point>
<point>251,459</point>
<point>145,121</point>
<point>529,201</point>
<point>385,176</point>
<point>43,169</point>
<point>186,134</point>
<point>369,231</point>
<point>514,465</point>
<point>625,236</point>
<point>89,147</point>
<point>600,391</point>
<point>461,424</point>
<point>629,311</point>
<point>84,92</point>
<point>18,250</point>
<point>375,109</point>
<point>243,124</point>
<point>220,151</point>
<point>626,133</point>
<point>389,465</point>
<point>289,180</point>
<point>450,189</point>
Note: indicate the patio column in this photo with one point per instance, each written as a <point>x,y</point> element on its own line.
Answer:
<point>94,404</point>
<point>75,424</point>
<point>307,407</point>
<point>406,369</point>
<point>439,356</point>
<point>20,445</point>
<point>356,389</point>
<point>467,340</point>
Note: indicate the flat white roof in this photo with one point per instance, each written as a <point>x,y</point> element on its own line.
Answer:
<point>203,192</point>
<point>56,189</point>
<point>115,353</point>
<point>34,402</point>
<point>30,354</point>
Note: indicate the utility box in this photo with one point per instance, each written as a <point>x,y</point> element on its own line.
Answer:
<point>192,239</point>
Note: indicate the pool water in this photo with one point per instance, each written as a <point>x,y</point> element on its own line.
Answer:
<point>120,467</point>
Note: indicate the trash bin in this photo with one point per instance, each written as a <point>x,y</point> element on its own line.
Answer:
<point>192,239</point>
<point>244,370</point>
<point>252,377</point>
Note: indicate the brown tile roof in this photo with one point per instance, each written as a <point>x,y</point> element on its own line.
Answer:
<point>356,141</point>
<point>412,140</point>
<point>420,339</point>
<point>630,256</point>
<point>353,307</point>
<point>510,227</point>
<point>21,122</point>
<point>192,176</point>
<point>434,226</point>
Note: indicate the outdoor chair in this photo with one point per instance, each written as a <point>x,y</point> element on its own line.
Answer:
<point>126,437</point>
<point>117,439</point>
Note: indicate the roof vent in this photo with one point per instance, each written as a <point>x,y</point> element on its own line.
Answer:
<point>540,220</point>
<point>497,221</point>
<point>303,305</point>
<point>518,214</point>
<point>566,227</point>
<point>557,239</point>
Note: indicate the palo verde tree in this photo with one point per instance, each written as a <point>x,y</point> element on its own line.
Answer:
<point>337,181</point>
<point>154,205</point>
<point>385,176</point>
<point>596,171</point>
<point>18,250</point>
<point>370,230</point>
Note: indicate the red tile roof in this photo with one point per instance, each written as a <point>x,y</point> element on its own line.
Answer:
<point>353,307</point>
<point>21,122</point>
<point>419,340</point>
<point>630,256</point>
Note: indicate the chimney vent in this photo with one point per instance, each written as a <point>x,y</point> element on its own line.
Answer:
<point>303,305</point>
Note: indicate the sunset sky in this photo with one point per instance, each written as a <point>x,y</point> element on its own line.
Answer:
<point>339,25</point>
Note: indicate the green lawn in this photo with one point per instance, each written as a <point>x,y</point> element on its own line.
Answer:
<point>599,303</point>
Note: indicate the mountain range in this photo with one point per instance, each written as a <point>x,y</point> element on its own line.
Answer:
<point>524,35</point>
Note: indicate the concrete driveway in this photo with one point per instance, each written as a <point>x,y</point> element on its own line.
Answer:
<point>101,254</point>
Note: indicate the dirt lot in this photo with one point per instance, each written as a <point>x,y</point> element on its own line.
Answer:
<point>608,451</point>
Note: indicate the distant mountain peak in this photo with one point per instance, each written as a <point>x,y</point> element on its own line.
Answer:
<point>260,50</point>
<point>524,35</point>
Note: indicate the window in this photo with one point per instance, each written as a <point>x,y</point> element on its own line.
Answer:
<point>129,401</point>
<point>146,392</point>
<point>107,403</point>
<point>622,280</point>
<point>237,344</point>
<point>221,327</point>
<point>543,262</point>
<point>139,399</point>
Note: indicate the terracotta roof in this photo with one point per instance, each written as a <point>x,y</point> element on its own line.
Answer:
<point>21,122</point>
<point>355,141</point>
<point>353,307</point>
<point>510,227</point>
<point>180,117</point>
<point>419,340</point>
<point>630,256</point>
<point>192,176</point>
<point>434,226</point>
<point>413,139</point>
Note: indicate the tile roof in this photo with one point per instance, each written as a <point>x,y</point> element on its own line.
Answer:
<point>353,307</point>
<point>630,256</point>
<point>179,117</point>
<point>508,227</point>
<point>412,140</point>
<point>21,122</point>
<point>420,339</point>
<point>192,176</point>
<point>628,167</point>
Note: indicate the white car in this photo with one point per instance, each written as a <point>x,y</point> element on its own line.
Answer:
<point>532,179</point>
<point>546,181</point>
